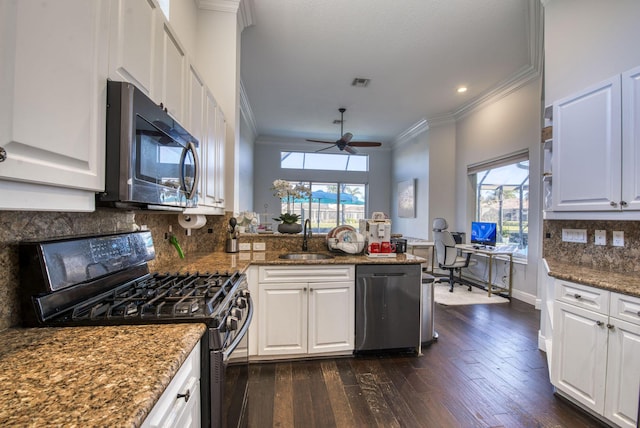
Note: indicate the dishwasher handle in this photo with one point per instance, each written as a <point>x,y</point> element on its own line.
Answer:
<point>390,274</point>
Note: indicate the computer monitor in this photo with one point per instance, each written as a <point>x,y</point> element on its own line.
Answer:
<point>483,233</point>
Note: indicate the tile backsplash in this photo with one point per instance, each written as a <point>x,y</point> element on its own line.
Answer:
<point>603,257</point>
<point>19,226</point>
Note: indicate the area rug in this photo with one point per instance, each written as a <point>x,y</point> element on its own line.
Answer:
<point>462,296</point>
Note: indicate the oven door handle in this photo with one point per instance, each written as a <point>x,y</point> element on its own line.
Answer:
<point>229,349</point>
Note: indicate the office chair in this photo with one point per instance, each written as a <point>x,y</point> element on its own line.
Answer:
<point>447,254</point>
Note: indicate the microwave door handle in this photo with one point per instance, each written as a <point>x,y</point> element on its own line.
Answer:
<point>196,169</point>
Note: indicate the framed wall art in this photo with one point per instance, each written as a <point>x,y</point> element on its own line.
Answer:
<point>407,199</point>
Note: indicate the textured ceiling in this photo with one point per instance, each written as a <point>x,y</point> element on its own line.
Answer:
<point>300,56</point>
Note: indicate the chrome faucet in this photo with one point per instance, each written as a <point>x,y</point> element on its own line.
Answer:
<point>305,244</point>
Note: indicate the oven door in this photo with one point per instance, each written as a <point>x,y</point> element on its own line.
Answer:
<point>230,377</point>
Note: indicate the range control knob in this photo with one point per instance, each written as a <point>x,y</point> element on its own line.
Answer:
<point>235,312</point>
<point>245,293</point>
<point>232,323</point>
<point>241,302</point>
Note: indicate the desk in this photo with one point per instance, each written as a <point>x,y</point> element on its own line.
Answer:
<point>491,253</point>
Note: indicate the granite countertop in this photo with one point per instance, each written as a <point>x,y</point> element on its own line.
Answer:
<point>89,376</point>
<point>626,283</point>
<point>114,375</point>
<point>242,260</point>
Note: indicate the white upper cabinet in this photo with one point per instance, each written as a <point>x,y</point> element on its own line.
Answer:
<point>173,74</point>
<point>587,149</point>
<point>631,138</point>
<point>596,148</point>
<point>136,32</point>
<point>53,57</point>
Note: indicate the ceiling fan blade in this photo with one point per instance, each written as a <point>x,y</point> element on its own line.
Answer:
<point>347,137</point>
<point>365,144</point>
<point>326,148</point>
<point>351,150</point>
<point>322,141</point>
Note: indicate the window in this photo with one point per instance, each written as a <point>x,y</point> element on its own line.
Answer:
<point>164,6</point>
<point>329,205</point>
<point>324,161</point>
<point>502,197</point>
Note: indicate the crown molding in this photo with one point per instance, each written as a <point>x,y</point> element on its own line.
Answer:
<point>246,14</point>
<point>410,133</point>
<point>521,77</point>
<point>246,110</point>
<point>229,6</point>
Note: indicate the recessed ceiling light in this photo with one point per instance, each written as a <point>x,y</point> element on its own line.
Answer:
<point>462,89</point>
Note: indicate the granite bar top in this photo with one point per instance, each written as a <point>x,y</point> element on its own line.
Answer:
<point>89,376</point>
<point>625,283</point>
<point>242,260</point>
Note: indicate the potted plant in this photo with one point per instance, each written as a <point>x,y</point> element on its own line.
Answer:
<point>286,190</point>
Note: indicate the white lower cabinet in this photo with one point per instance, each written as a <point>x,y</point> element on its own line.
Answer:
<point>179,404</point>
<point>596,349</point>
<point>305,310</point>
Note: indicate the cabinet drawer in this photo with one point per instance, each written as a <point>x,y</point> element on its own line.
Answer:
<point>173,403</point>
<point>324,273</point>
<point>583,296</point>
<point>625,308</point>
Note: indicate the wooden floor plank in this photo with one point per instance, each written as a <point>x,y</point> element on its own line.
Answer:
<point>484,370</point>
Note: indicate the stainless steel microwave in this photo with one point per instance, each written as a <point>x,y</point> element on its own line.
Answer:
<point>151,161</point>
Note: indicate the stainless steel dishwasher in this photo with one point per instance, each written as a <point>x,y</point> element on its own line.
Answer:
<point>387,307</point>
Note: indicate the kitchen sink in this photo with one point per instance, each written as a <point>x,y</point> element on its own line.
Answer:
<point>306,256</point>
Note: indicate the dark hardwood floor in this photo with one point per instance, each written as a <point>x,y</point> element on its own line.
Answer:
<point>485,370</point>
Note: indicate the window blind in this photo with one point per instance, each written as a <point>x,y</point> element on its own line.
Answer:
<point>519,156</point>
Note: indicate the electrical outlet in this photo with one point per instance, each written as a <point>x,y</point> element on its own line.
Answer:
<point>574,235</point>
<point>618,238</point>
<point>601,237</point>
<point>246,246</point>
<point>259,246</point>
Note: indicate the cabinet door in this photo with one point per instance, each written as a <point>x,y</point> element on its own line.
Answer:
<point>331,317</point>
<point>135,42</point>
<point>282,319</point>
<point>631,139</point>
<point>221,135</point>
<point>587,149</point>
<point>174,71</point>
<point>623,373</point>
<point>579,354</point>
<point>209,158</point>
<point>195,122</point>
<point>52,92</point>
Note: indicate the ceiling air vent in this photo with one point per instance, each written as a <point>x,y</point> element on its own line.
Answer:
<point>360,82</point>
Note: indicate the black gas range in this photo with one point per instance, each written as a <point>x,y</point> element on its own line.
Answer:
<point>105,280</point>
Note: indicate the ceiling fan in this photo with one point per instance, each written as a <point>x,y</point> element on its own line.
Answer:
<point>345,143</point>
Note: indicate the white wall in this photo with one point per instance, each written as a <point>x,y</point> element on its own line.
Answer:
<point>267,168</point>
<point>428,158</point>
<point>587,41</point>
<point>505,126</point>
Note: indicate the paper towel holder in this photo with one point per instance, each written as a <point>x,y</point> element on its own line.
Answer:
<point>189,221</point>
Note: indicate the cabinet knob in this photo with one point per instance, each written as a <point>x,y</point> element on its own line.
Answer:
<point>577,296</point>
<point>599,323</point>
<point>610,326</point>
<point>613,204</point>
<point>3,154</point>
<point>311,290</point>
<point>623,203</point>
<point>186,396</point>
